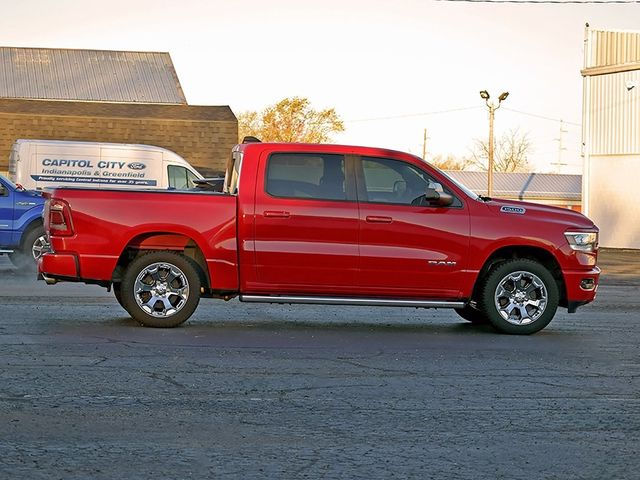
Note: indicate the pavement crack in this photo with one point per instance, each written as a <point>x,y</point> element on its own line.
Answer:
<point>166,379</point>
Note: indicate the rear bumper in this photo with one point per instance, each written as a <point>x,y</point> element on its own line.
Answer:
<point>57,265</point>
<point>581,286</point>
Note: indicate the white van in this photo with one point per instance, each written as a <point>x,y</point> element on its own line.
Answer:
<point>37,164</point>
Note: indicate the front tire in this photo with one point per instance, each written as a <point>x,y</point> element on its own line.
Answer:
<point>520,297</point>
<point>161,289</point>
<point>34,244</point>
<point>472,315</point>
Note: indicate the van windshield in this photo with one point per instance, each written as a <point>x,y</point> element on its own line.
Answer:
<point>180,178</point>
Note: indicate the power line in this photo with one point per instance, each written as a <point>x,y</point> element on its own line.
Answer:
<point>557,2</point>
<point>535,115</point>
<point>408,115</point>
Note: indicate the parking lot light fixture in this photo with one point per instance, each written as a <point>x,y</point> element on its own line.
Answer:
<point>492,110</point>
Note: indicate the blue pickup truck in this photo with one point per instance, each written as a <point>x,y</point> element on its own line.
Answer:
<point>22,235</point>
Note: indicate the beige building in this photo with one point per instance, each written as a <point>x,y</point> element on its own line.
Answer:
<point>108,96</point>
<point>611,135</point>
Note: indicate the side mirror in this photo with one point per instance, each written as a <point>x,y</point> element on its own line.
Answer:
<point>441,199</point>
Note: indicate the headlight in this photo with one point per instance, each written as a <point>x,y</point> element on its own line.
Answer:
<point>582,241</point>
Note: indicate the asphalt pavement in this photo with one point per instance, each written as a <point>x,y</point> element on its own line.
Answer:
<point>268,391</point>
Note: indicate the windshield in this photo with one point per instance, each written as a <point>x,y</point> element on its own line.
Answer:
<point>458,184</point>
<point>9,183</point>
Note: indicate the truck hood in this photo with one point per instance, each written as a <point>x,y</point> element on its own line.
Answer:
<point>536,211</point>
<point>31,195</point>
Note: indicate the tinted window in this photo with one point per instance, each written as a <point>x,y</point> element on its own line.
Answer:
<point>393,181</point>
<point>306,176</point>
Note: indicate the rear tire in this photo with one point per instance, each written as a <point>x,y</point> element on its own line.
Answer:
<point>117,292</point>
<point>519,297</point>
<point>161,289</point>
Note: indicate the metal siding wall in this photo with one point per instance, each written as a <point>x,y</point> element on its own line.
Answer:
<point>615,114</point>
<point>615,200</point>
<point>92,75</point>
<point>613,48</point>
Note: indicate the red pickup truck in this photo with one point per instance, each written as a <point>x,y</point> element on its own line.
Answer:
<point>325,224</point>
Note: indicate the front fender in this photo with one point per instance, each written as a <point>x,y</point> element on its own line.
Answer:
<point>26,221</point>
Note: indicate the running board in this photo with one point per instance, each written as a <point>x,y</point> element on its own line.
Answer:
<point>379,302</point>
<point>5,251</point>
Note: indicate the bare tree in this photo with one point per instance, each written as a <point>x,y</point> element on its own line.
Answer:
<point>451,162</point>
<point>511,152</point>
<point>290,120</point>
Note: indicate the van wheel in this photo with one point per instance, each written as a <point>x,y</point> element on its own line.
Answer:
<point>34,244</point>
<point>161,289</point>
<point>520,297</point>
<point>472,315</point>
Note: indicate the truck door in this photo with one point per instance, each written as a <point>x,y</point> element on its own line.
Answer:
<point>407,248</point>
<point>306,224</point>
<point>6,214</point>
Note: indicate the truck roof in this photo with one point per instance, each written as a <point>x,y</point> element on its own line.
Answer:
<point>324,148</point>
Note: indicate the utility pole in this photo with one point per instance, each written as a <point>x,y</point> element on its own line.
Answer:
<point>561,146</point>
<point>492,110</point>
<point>424,146</point>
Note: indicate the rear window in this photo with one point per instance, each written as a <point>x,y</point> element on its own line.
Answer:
<point>304,175</point>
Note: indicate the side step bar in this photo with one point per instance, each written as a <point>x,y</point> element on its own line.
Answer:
<point>379,302</point>
<point>5,251</point>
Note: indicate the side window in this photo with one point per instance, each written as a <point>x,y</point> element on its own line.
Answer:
<point>397,182</point>
<point>304,175</point>
<point>178,177</point>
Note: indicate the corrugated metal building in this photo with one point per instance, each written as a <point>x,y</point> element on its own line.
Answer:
<point>90,75</point>
<point>108,96</point>
<point>546,188</point>
<point>611,135</point>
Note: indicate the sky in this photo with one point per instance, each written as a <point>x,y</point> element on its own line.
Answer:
<point>390,68</point>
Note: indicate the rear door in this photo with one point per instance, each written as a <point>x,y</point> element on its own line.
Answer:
<point>306,224</point>
<point>407,248</point>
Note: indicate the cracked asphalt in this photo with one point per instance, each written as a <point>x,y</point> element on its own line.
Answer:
<point>266,391</point>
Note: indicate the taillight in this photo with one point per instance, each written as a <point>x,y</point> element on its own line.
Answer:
<point>60,218</point>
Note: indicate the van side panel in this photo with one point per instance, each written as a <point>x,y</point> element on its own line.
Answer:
<point>52,163</point>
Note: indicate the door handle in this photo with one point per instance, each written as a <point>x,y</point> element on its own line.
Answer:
<point>276,214</point>
<point>378,219</point>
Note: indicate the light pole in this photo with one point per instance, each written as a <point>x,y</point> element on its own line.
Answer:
<point>492,110</point>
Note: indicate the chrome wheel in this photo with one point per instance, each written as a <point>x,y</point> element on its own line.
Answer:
<point>40,246</point>
<point>161,289</point>
<point>521,297</point>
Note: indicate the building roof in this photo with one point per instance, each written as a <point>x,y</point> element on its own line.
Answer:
<point>524,186</point>
<point>117,110</point>
<point>89,75</point>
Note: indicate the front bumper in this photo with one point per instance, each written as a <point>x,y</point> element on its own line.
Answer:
<point>581,286</point>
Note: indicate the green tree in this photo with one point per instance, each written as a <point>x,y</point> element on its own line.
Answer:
<point>290,120</point>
